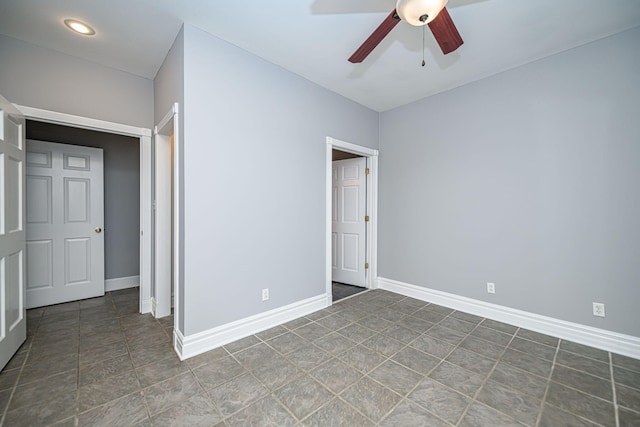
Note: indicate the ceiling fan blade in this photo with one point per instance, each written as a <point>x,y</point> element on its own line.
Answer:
<point>375,38</point>
<point>445,32</point>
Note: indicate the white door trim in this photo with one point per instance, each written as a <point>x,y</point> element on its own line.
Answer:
<point>372,209</point>
<point>144,134</point>
<point>168,126</point>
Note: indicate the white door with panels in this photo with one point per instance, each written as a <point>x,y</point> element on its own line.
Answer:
<point>13,324</point>
<point>348,235</point>
<point>64,220</point>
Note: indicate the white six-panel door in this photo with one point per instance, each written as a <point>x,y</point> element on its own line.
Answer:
<point>348,235</point>
<point>65,211</point>
<point>13,325</point>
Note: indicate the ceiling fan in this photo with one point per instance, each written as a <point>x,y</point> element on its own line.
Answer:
<point>417,13</point>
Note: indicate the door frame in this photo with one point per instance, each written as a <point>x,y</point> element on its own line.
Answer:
<point>371,250</point>
<point>167,215</point>
<point>146,179</point>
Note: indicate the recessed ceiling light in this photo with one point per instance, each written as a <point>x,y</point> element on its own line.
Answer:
<point>79,27</point>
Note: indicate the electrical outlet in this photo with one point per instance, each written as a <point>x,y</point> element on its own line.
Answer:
<point>598,309</point>
<point>265,294</point>
<point>491,288</point>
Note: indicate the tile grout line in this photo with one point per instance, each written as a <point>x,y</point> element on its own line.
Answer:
<point>338,397</point>
<point>442,359</point>
<point>455,347</point>
<point>616,412</point>
<point>546,390</point>
<point>474,398</point>
<point>15,385</point>
<point>135,372</point>
<point>403,398</point>
<point>206,391</point>
<point>408,345</point>
<point>366,375</point>
<point>271,393</point>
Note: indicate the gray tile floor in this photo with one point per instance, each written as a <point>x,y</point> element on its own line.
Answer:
<point>341,291</point>
<point>376,359</point>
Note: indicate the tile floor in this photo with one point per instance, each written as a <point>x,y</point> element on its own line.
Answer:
<point>341,291</point>
<point>376,359</point>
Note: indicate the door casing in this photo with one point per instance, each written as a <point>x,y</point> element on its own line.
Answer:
<point>167,217</point>
<point>371,154</point>
<point>146,179</point>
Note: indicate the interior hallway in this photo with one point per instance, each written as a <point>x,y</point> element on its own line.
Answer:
<point>376,359</point>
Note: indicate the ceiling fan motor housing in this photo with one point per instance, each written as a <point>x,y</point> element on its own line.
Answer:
<point>419,12</point>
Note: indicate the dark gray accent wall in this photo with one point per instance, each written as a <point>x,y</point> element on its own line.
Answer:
<point>121,191</point>
<point>528,179</point>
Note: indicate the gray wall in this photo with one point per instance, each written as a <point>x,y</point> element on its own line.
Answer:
<point>528,179</point>
<point>121,191</point>
<point>42,78</point>
<point>254,180</point>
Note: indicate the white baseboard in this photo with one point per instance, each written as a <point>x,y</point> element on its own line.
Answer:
<point>146,306</point>
<point>153,306</point>
<point>121,283</point>
<point>614,342</point>
<point>192,345</point>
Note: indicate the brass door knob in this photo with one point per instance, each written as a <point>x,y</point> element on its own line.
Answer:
<point>98,230</point>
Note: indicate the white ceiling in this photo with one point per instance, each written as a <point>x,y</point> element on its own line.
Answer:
<point>314,38</point>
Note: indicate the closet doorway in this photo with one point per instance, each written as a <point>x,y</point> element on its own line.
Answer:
<point>351,212</point>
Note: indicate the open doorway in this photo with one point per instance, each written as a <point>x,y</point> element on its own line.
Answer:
<point>143,137</point>
<point>348,224</point>
<point>166,292</point>
<point>118,255</point>
<point>351,219</point>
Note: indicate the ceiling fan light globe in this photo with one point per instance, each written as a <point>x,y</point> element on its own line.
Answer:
<point>410,11</point>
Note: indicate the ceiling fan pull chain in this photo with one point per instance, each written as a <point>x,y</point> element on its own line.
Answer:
<point>423,45</point>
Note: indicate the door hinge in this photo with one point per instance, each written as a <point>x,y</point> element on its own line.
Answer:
<point>366,218</point>
<point>366,265</point>
<point>366,171</point>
